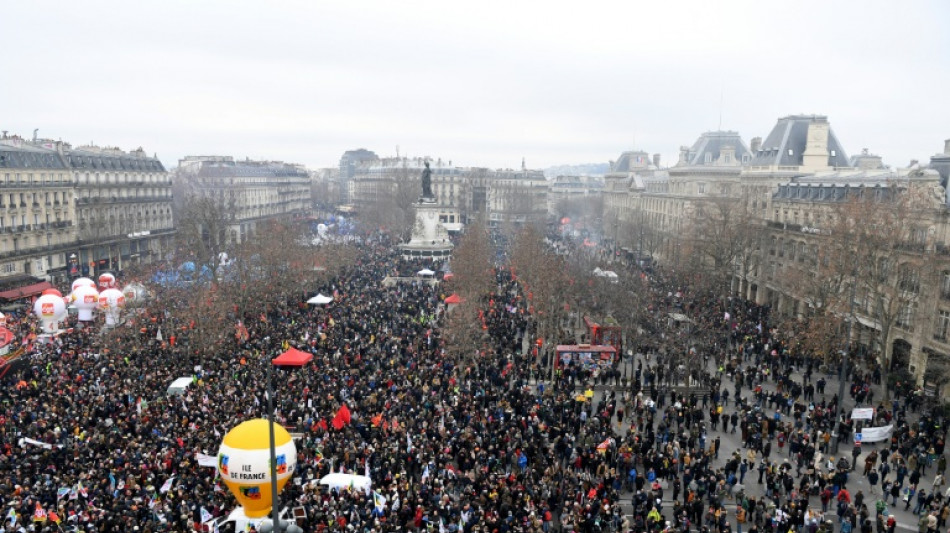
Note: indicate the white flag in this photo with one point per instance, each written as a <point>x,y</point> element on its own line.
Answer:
<point>168,485</point>
<point>408,443</point>
<point>206,516</point>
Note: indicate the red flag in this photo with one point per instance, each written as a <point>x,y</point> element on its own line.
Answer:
<point>337,423</point>
<point>344,414</point>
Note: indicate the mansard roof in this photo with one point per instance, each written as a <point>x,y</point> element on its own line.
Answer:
<point>785,144</point>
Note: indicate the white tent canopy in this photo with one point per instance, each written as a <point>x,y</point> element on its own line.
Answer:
<point>605,273</point>
<point>180,385</point>
<point>320,300</point>
<point>426,272</point>
<point>345,481</point>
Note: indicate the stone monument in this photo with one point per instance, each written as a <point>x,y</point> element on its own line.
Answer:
<point>429,238</point>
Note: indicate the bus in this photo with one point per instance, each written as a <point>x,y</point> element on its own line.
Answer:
<point>591,356</point>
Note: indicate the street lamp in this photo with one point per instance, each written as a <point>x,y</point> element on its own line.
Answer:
<point>276,523</point>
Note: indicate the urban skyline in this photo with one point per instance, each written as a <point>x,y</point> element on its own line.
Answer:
<point>483,87</point>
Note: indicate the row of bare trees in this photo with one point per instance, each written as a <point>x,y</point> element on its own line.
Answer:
<point>230,282</point>
<point>869,255</point>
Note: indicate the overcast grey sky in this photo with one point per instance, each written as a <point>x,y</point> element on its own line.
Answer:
<point>479,83</point>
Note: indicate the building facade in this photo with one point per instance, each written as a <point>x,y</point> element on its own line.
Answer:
<point>252,192</point>
<point>37,211</point>
<point>566,188</point>
<point>517,198</point>
<point>123,208</point>
<point>67,212</point>
<point>789,188</point>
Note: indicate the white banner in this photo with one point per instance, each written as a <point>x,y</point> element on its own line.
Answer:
<point>206,460</point>
<point>44,445</point>
<point>877,434</point>
<point>862,413</point>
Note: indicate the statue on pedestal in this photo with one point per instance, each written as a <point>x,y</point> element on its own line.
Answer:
<point>427,182</point>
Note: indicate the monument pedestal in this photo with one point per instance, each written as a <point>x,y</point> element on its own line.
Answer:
<point>429,238</point>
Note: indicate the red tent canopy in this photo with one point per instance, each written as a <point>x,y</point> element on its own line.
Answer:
<point>293,357</point>
<point>454,299</point>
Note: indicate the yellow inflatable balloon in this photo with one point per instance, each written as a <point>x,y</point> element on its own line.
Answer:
<point>244,464</point>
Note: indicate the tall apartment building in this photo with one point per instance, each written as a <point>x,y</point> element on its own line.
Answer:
<point>66,212</point>
<point>37,212</point>
<point>350,163</point>
<point>801,218</point>
<point>790,187</point>
<point>123,208</point>
<point>517,198</point>
<point>566,188</point>
<point>251,192</point>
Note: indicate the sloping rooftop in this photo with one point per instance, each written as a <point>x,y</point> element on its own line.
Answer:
<point>785,144</point>
<point>707,150</point>
<point>30,157</point>
<point>237,170</point>
<point>631,161</point>
<point>45,155</point>
<point>112,160</point>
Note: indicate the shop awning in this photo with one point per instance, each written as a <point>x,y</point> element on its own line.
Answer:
<point>25,292</point>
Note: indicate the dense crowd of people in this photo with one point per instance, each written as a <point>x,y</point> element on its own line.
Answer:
<point>477,442</point>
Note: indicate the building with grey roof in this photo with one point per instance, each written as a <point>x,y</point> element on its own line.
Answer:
<point>252,192</point>
<point>800,143</point>
<point>78,211</point>
<point>350,162</point>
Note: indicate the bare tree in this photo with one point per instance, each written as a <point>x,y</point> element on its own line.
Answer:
<point>882,242</point>
<point>203,223</point>
<point>722,232</point>
<point>472,263</point>
<point>545,282</point>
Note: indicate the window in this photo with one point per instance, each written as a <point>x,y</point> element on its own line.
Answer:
<point>909,281</point>
<point>942,326</point>
<point>906,317</point>
<point>945,284</point>
<point>701,188</point>
<point>708,158</point>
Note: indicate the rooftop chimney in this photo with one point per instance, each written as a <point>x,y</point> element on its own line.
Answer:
<point>656,160</point>
<point>946,145</point>
<point>815,156</point>
<point>755,145</point>
<point>684,155</point>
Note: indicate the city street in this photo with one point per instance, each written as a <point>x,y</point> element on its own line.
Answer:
<point>731,443</point>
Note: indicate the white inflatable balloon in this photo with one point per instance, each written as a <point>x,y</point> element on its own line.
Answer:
<point>135,293</point>
<point>50,309</point>
<point>86,299</point>
<point>80,282</point>
<point>111,302</point>
<point>106,281</point>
